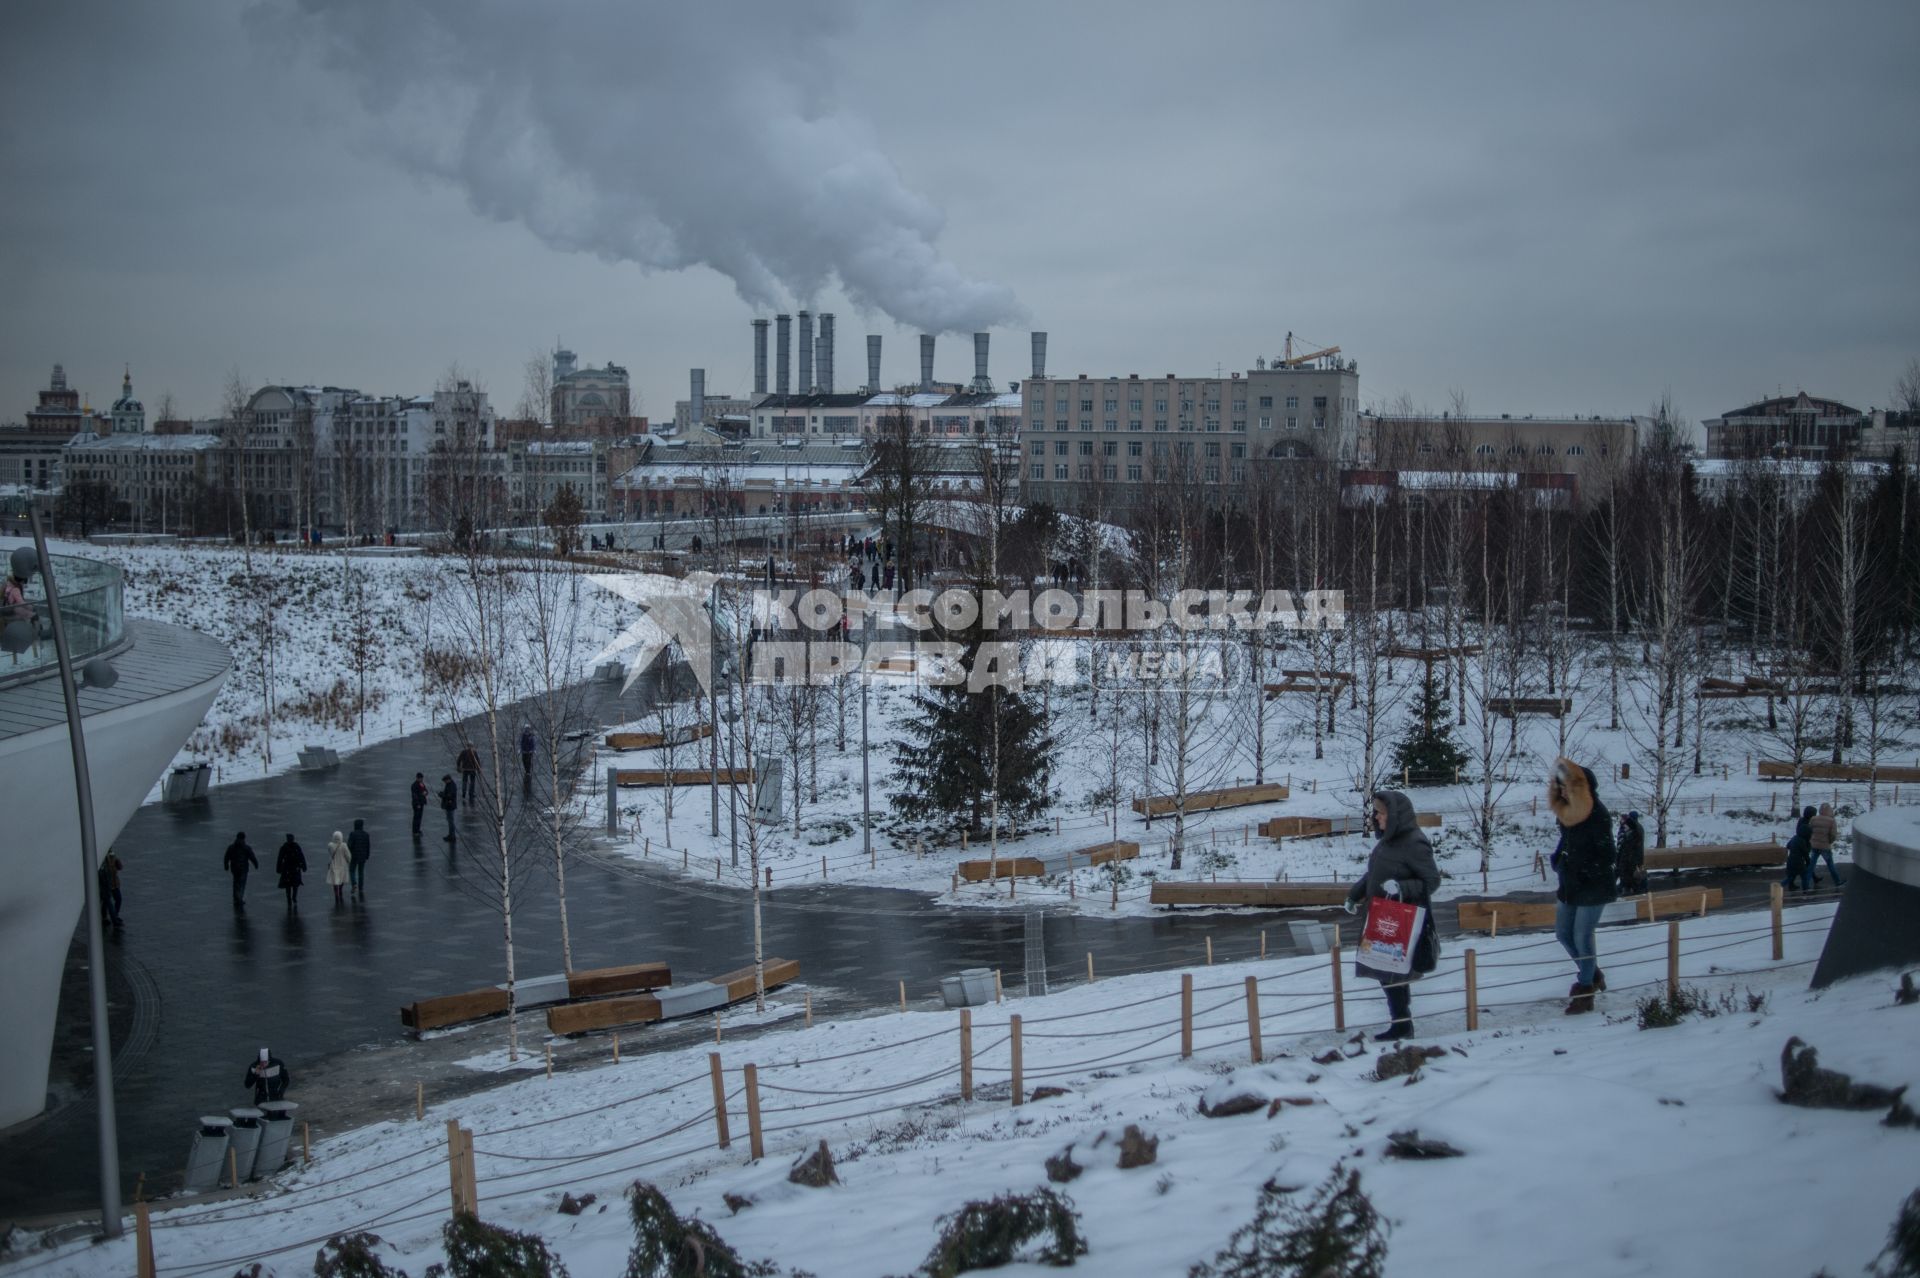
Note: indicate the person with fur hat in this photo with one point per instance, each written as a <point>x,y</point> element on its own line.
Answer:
<point>1401,865</point>
<point>1584,860</point>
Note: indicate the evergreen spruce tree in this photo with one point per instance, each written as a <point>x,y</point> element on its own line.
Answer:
<point>943,763</point>
<point>1428,751</point>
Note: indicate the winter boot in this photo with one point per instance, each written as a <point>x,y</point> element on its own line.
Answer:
<point>1599,981</point>
<point>1581,1001</point>
<point>1395,1032</point>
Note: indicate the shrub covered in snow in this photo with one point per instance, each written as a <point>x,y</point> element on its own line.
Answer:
<point>1335,1234</point>
<point>997,1231</point>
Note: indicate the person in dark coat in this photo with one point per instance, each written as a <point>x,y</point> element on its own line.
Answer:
<point>109,875</point>
<point>1584,861</point>
<point>528,744</point>
<point>291,865</point>
<point>417,795</point>
<point>449,800</point>
<point>1401,865</point>
<point>1800,852</point>
<point>239,862</point>
<point>1630,864</point>
<point>268,1078</point>
<point>360,849</point>
<point>469,765</point>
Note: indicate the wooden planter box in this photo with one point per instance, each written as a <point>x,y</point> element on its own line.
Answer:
<point>1209,800</point>
<point>1008,867</point>
<point>618,980</point>
<point>680,776</point>
<point>1281,895</point>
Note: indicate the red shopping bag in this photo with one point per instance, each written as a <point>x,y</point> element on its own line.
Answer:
<point>1387,941</point>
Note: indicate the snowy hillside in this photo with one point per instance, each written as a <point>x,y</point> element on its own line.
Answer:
<point>1588,1145</point>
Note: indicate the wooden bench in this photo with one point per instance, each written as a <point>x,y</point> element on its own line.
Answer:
<point>1101,853</point>
<point>1304,827</point>
<point>1208,800</point>
<point>1248,892</point>
<point>640,1009</point>
<point>1716,856</point>
<point>1511,707</point>
<point>1489,915</point>
<point>1007,867</point>
<point>453,1009</point>
<point>594,982</point>
<point>1318,676</point>
<point>657,740</point>
<point>680,776</point>
<point>1775,770</point>
<point>1303,685</point>
<point>1431,655</point>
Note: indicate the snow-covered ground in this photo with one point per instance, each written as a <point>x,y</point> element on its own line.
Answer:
<point>1590,1146</point>
<point>312,672</point>
<point>1224,844</point>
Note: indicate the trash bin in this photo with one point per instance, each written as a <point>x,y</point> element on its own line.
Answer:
<point>208,1158</point>
<point>978,984</point>
<point>953,991</point>
<point>245,1141</point>
<point>276,1134</point>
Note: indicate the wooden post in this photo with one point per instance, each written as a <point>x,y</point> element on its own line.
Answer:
<point>769,876</point>
<point>1089,967</point>
<point>1776,893</point>
<point>1473,990</point>
<point>1070,894</point>
<point>996,985</point>
<point>1253,1019</point>
<point>1703,903</point>
<point>1013,1030</point>
<point>684,854</point>
<point>549,1062</point>
<point>1186,1015</point>
<point>719,1098</point>
<point>456,1169</point>
<point>143,1242</point>
<point>1673,957</point>
<point>419,1102</point>
<point>716,869</point>
<point>716,1027</point>
<point>966,1054</point>
<point>1056,825</point>
<point>823,867</point>
<point>1263,942</point>
<point>233,1167</point>
<point>616,1047</point>
<point>963,840</point>
<point>1339,1000</point>
<point>306,1143</point>
<point>1114,904</point>
<point>1209,949</point>
<point>467,1169</point>
<point>1493,924</point>
<point>1651,916</point>
<point>809,1009</point>
<point>754,1147</point>
<point>903,996</point>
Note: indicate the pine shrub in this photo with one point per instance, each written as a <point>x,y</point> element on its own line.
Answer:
<point>988,1234</point>
<point>1428,754</point>
<point>1335,1234</point>
<point>476,1249</point>
<point>352,1256</point>
<point>1901,1259</point>
<point>666,1245</point>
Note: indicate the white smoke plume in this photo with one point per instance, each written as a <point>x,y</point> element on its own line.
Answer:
<point>668,135</point>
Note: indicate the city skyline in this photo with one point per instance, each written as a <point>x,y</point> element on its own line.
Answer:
<point>1550,217</point>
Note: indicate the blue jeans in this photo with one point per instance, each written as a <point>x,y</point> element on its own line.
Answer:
<point>1813,863</point>
<point>357,873</point>
<point>1574,925</point>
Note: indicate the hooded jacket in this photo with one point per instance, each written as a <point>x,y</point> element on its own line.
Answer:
<point>338,858</point>
<point>1584,858</point>
<point>1823,828</point>
<point>1403,855</point>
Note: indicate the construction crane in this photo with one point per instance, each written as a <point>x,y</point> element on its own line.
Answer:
<point>1290,360</point>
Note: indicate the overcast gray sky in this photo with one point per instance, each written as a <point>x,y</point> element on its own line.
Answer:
<point>1553,207</point>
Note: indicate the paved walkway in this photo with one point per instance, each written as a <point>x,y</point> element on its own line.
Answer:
<point>197,987</point>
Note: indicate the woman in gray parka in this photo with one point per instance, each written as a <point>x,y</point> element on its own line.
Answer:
<point>1401,865</point>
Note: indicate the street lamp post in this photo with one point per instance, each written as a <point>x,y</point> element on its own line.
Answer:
<point>866,809</point>
<point>89,862</point>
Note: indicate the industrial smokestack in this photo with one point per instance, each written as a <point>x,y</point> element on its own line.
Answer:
<point>1040,355</point>
<point>697,399</point>
<point>760,357</point>
<point>926,362</point>
<point>806,352</point>
<point>783,344</point>
<point>981,382</point>
<point>873,363</point>
<point>823,364</point>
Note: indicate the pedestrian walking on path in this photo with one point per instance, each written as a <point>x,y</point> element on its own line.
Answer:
<point>1821,832</point>
<point>239,862</point>
<point>469,765</point>
<point>1800,852</point>
<point>528,743</point>
<point>109,874</point>
<point>1400,866</point>
<point>449,800</point>
<point>417,795</point>
<point>1630,865</point>
<point>1584,860</point>
<point>360,845</point>
<point>338,859</point>
<point>291,865</point>
<point>268,1078</point>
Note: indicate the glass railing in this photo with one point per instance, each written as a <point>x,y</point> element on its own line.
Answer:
<point>90,608</point>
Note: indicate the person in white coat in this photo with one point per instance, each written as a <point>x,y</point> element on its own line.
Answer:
<point>339,863</point>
